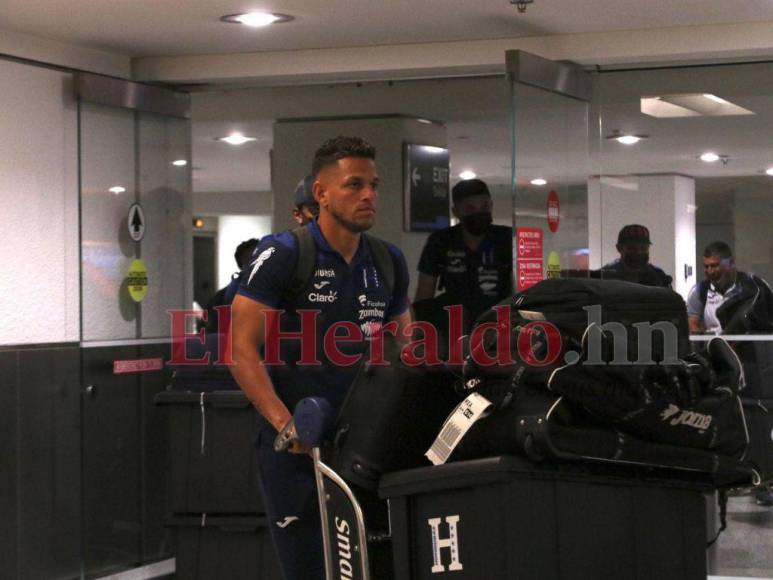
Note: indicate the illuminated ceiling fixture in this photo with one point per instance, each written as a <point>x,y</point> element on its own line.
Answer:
<point>711,157</point>
<point>257,19</point>
<point>521,4</point>
<point>538,181</point>
<point>690,105</point>
<point>425,121</point>
<point>117,189</point>
<point>236,139</point>
<point>769,171</point>
<point>465,175</point>
<point>180,163</point>
<point>626,138</point>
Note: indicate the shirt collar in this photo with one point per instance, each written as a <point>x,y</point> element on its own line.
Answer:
<point>323,245</point>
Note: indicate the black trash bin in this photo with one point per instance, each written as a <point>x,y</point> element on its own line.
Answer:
<point>504,518</point>
<point>213,464</point>
<point>220,548</point>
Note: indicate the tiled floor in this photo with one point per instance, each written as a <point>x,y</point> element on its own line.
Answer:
<point>745,548</point>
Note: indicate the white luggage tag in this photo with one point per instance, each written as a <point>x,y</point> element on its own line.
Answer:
<point>473,408</point>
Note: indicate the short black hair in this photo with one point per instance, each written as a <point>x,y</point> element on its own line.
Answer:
<point>246,247</point>
<point>718,248</point>
<point>340,148</point>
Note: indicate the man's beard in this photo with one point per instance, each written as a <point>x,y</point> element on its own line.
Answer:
<point>352,226</point>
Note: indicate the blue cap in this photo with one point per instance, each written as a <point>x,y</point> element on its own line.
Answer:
<point>304,195</point>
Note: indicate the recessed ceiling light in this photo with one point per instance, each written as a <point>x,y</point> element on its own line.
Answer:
<point>769,171</point>
<point>180,163</point>
<point>538,181</point>
<point>690,105</point>
<point>626,138</point>
<point>467,175</point>
<point>116,189</point>
<point>710,157</point>
<point>425,121</point>
<point>236,139</point>
<point>257,19</point>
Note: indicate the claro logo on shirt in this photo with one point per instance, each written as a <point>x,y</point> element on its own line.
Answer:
<point>328,298</point>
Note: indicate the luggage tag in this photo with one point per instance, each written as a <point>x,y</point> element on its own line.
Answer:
<point>466,414</point>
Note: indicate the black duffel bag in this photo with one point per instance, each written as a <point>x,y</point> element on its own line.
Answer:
<point>389,418</point>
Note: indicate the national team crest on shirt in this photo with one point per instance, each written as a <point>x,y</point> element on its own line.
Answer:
<point>264,255</point>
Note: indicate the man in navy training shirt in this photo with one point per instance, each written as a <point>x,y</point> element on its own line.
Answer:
<point>633,265</point>
<point>472,261</point>
<point>346,286</point>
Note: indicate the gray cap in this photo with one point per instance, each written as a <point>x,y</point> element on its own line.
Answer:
<point>304,195</point>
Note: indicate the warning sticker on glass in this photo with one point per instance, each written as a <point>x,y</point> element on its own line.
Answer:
<point>474,407</point>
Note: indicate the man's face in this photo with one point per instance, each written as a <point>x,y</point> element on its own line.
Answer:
<point>634,255</point>
<point>718,270</point>
<point>474,204</point>
<point>348,192</point>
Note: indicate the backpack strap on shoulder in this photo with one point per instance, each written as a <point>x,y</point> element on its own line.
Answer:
<point>305,262</point>
<point>382,259</point>
<point>703,291</point>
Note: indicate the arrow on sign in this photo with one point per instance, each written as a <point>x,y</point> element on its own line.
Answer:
<point>415,176</point>
<point>136,222</point>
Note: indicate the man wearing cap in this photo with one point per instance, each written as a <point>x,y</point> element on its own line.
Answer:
<point>306,207</point>
<point>633,265</point>
<point>471,261</point>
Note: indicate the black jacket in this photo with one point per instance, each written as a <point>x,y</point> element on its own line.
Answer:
<point>749,309</point>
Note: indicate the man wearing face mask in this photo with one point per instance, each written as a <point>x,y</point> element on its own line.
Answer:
<point>471,261</point>
<point>633,265</point>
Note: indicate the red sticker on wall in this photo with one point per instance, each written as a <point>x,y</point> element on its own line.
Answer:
<point>553,211</point>
<point>140,365</point>
<point>528,243</point>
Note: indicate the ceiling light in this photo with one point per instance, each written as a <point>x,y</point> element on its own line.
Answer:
<point>433,149</point>
<point>626,139</point>
<point>715,98</point>
<point>236,139</point>
<point>539,181</point>
<point>425,121</point>
<point>769,171</point>
<point>690,105</point>
<point>257,19</point>
<point>198,223</point>
<point>180,163</point>
<point>710,157</point>
<point>467,175</point>
<point>116,189</point>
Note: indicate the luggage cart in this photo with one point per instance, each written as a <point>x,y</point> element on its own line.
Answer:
<point>344,536</point>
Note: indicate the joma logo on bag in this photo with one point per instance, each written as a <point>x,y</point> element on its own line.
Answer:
<point>451,542</point>
<point>689,418</point>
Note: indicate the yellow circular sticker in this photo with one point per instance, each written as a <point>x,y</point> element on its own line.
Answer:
<point>554,265</point>
<point>137,280</point>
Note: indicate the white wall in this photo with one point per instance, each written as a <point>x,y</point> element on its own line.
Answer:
<point>206,203</point>
<point>232,230</point>
<point>663,203</point>
<point>39,282</point>
<point>65,55</point>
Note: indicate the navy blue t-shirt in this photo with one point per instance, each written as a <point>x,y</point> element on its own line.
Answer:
<point>477,279</point>
<point>341,292</point>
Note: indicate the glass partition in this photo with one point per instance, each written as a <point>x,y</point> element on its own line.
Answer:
<point>664,178</point>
